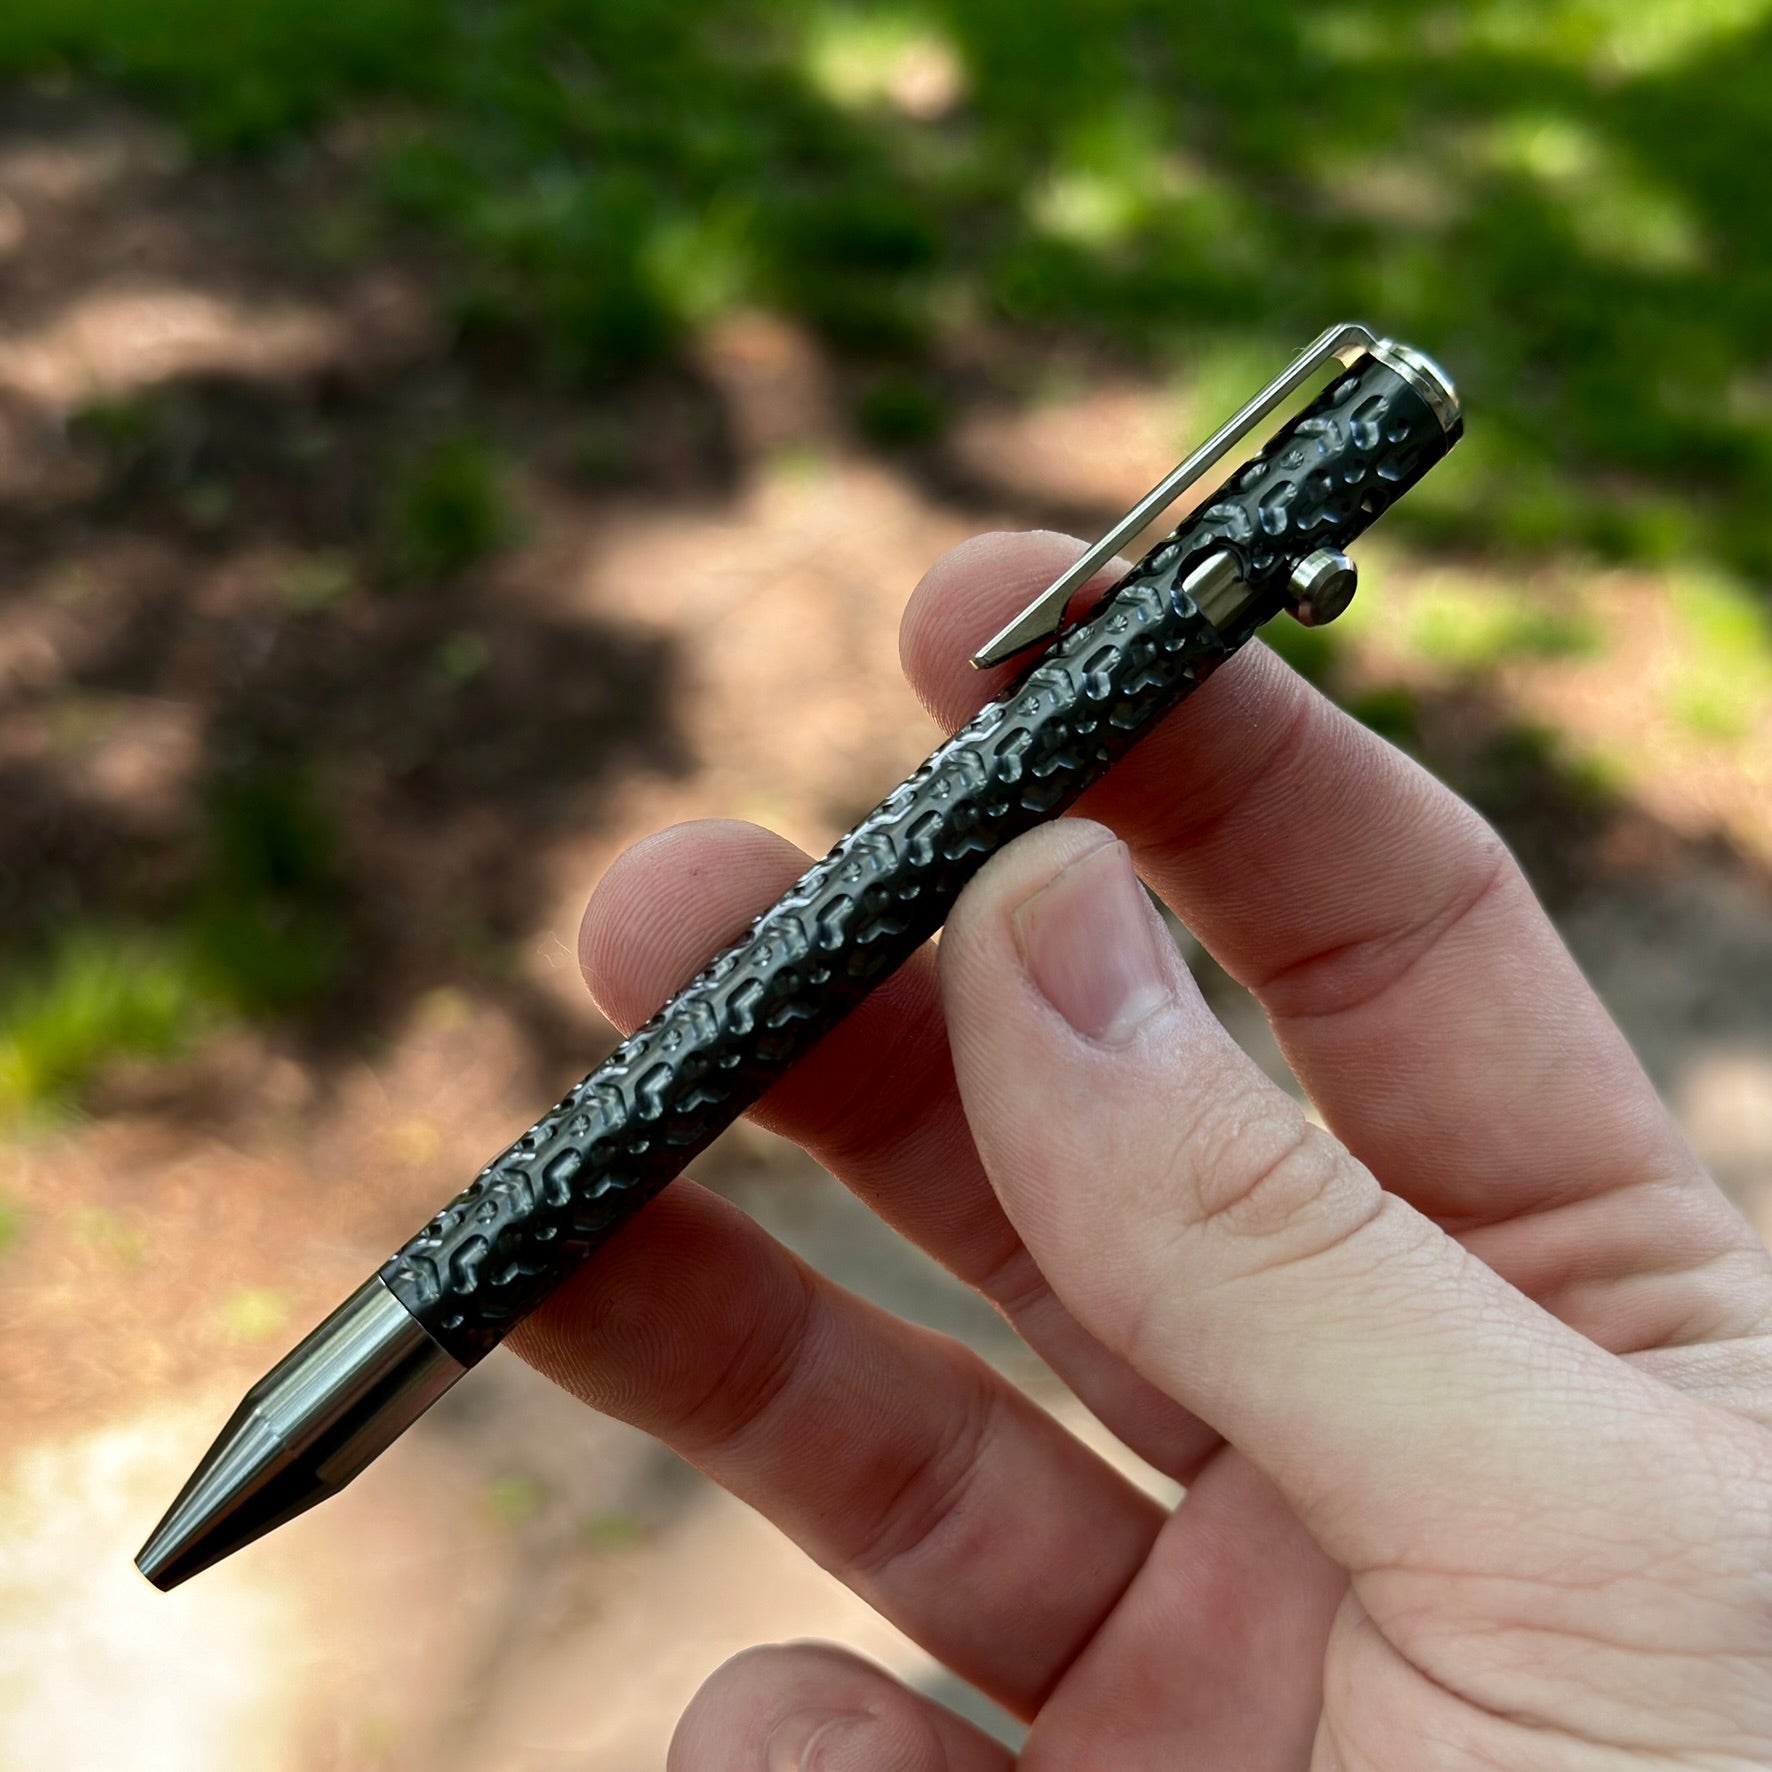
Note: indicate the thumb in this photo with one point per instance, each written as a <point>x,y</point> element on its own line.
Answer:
<point>1194,1219</point>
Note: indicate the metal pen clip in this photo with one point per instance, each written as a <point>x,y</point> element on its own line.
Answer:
<point>1043,617</point>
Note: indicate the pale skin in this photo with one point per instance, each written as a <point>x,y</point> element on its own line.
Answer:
<point>1471,1392</point>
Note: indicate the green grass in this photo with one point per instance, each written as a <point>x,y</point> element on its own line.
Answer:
<point>1312,652</point>
<point>450,509</point>
<point>1392,711</point>
<point>261,932</point>
<point>896,411</point>
<point>1550,195</point>
<point>1724,687</point>
<point>98,994</point>
<point>258,935</point>
<point>1474,628</point>
<point>240,76</point>
<point>514,1500</point>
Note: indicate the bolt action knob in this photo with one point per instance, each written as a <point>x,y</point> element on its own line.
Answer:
<point>1322,586</point>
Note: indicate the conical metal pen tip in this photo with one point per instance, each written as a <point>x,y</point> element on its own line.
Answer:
<point>302,1432</point>
<point>227,1502</point>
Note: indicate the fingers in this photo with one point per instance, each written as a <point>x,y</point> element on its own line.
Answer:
<point>1415,984</point>
<point>875,1102</point>
<point>1235,1574</point>
<point>803,1707</point>
<point>896,1458</point>
<point>1235,1255</point>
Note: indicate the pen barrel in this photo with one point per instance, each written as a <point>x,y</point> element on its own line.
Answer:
<point>540,1208</point>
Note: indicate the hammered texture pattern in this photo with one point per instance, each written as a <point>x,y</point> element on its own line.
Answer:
<point>539,1209</point>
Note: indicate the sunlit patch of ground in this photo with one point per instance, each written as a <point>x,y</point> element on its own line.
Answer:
<point>117,341</point>
<point>99,1671</point>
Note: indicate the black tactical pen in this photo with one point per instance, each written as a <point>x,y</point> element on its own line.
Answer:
<point>1270,539</point>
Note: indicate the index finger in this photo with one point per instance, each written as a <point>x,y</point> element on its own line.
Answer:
<point>1413,980</point>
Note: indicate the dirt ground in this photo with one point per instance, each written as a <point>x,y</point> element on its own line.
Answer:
<point>518,1586</point>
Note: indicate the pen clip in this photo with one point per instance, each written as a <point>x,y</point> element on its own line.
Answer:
<point>1045,615</point>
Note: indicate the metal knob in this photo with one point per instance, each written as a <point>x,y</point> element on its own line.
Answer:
<point>1322,586</point>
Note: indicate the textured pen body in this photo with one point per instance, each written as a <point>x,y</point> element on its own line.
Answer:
<point>545,1204</point>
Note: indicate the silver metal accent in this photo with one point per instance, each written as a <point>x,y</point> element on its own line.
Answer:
<point>1043,617</point>
<point>303,1431</point>
<point>1322,585</point>
<point>1215,585</point>
<point>1424,375</point>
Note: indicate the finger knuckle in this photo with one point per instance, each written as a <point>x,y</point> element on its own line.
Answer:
<point>1273,1177</point>
<point>917,1513</point>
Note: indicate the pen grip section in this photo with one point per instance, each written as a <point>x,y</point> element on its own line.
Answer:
<point>540,1208</point>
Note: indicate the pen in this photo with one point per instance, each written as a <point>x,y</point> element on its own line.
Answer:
<point>1271,538</point>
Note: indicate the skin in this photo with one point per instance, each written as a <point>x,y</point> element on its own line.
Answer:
<point>1471,1390</point>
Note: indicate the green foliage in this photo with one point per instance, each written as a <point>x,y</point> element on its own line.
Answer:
<point>263,932</point>
<point>1391,711</point>
<point>516,1499</point>
<point>1512,770</point>
<point>1475,627</point>
<point>242,75</point>
<point>1550,195</point>
<point>1310,651</point>
<point>1724,686</point>
<point>258,934</point>
<point>898,411</point>
<point>98,993</point>
<point>450,509</point>
<point>122,428</point>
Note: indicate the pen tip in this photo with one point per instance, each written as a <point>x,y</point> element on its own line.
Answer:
<point>244,1486</point>
<point>154,1561</point>
<point>305,1429</point>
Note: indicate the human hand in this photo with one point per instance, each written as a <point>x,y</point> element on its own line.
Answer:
<point>1470,1393</point>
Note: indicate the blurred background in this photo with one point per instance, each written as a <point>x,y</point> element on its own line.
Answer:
<point>440,443</point>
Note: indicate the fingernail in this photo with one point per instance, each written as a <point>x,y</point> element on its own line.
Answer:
<point>1089,939</point>
<point>815,1740</point>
